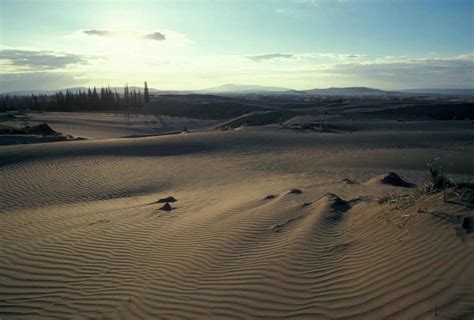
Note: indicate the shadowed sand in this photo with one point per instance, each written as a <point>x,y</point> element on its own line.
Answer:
<point>82,234</point>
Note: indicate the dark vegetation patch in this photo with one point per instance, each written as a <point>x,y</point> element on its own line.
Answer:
<point>443,111</point>
<point>200,106</point>
<point>454,193</point>
<point>468,224</point>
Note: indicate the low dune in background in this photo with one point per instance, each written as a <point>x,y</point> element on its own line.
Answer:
<point>267,223</point>
<point>100,125</point>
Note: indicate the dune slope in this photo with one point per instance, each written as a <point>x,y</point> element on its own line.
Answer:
<point>83,237</point>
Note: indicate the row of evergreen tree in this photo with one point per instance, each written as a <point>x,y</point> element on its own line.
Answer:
<point>91,100</point>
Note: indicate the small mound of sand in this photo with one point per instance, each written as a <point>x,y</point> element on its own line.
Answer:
<point>42,129</point>
<point>167,199</point>
<point>166,207</point>
<point>337,204</point>
<point>295,191</point>
<point>391,179</point>
<point>348,181</point>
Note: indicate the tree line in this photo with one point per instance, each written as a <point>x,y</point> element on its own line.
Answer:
<point>103,99</point>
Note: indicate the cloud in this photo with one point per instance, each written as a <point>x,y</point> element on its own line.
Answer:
<point>270,56</point>
<point>156,36</point>
<point>307,2</point>
<point>455,72</point>
<point>349,69</point>
<point>319,2</point>
<point>102,33</point>
<point>39,59</point>
<point>332,56</point>
<point>315,57</point>
<point>39,81</point>
<point>356,56</point>
<point>296,70</point>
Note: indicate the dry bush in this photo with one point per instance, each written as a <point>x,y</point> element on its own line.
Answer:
<point>437,182</point>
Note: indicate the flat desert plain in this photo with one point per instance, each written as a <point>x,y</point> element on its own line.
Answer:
<point>264,222</point>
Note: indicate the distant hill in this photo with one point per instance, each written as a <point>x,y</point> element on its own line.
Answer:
<point>449,92</point>
<point>238,89</point>
<point>241,88</point>
<point>350,91</point>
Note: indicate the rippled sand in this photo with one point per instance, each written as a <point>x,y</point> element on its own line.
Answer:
<point>83,237</point>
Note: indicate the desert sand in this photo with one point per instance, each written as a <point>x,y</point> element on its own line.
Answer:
<point>267,223</point>
<point>101,125</point>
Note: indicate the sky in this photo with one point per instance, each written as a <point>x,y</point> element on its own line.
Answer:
<point>196,44</point>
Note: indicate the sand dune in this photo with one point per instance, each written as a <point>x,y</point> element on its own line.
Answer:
<point>99,125</point>
<point>391,179</point>
<point>83,237</point>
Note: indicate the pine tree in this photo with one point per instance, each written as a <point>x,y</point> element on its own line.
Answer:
<point>95,98</point>
<point>146,94</point>
<point>89,96</point>
<point>140,100</point>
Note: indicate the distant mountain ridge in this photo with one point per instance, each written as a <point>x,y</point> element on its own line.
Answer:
<point>243,88</point>
<point>455,92</point>
<point>349,91</point>
<point>256,89</point>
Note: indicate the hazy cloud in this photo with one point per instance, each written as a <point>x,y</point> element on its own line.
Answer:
<point>332,56</point>
<point>156,36</point>
<point>319,2</point>
<point>308,56</point>
<point>355,56</point>
<point>297,70</point>
<point>39,59</point>
<point>102,33</point>
<point>299,8</point>
<point>327,69</point>
<point>438,72</point>
<point>38,81</point>
<point>270,56</point>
